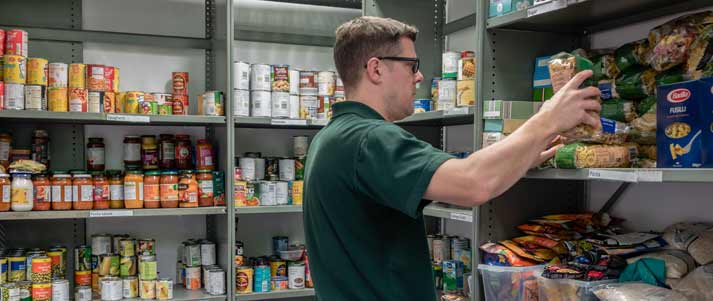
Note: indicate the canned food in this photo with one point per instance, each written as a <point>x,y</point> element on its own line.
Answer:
<point>147,289</point>
<point>180,83</point>
<point>261,283</point>
<point>41,270</point>
<point>17,268</point>
<point>35,97</point>
<point>57,99</point>
<point>147,267</point>
<point>421,105</point>
<point>326,83</point>
<point>207,253</point>
<point>294,107</point>
<point>260,104</point>
<point>296,274</point>
<point>111,288</point>
<point>294,78</point>
<point>243,279</point>
<point>297,192</point>
<point>16,42</point>
<point>2,92</point>
<point>119,102</point>
<point>96,77</point>
<point>78,100</point>
<point>37,71</point>
<point>40,291</point>
<point>146,245</point>
<point>441,249</point>
<point>279,283</point>
<point>25,288</point>
<point>191,254</point>
<point>241,73</point>
<point>14,69</point>
<point>449,65</point>
<point>2,63</point>
<point>58,263</point>
<point>287,169</point>
<point>130,287</point>
<point>339,89</point>
<point>166,109</point>
<point>95,102</point>
<point>77,75</point>
<point>193,278</point>
<point>60,290</point>
<point>108,103</point>
<point>278,268</point>
<point>446,94</point>
<point>3,267</point>
<point>215,284</point>
<point>280,105</point>
<point>28,265</point>
<point>213,103</point>
<point>57,77</point>
<point>2,43</point>
<point>10,291</point>
<point>82,293</point>
<point>267,193</point>
<point>116,242</point>
<point>325,103</point>
<point>109,77</point>
<point>83,278</point>
<point>127,247</point>
<point>109,265</point>
<point>101,244</point>
<point>260,77</point>
<point>241,100</point>
<point>148,108</point>
<point>309,105</point>
<point>115,82</point>
<point>280,78</point>
<point>248,168</point>
<point>259,168</point>
<point>127,266</point>
<point>131,102</point>
<point>308,83</point>
<point>434,88</point>
<point>164,288</point>
<point>180,104</point>
<point>282,193</point>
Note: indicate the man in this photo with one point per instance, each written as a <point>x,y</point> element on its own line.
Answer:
<point>366,177</point>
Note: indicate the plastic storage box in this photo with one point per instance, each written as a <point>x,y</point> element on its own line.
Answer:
<point>568,289</point>
<point>510,283</point>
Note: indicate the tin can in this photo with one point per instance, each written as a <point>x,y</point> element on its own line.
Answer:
<point>108,102</point>
<point>111,288</point>
<point>58,262</point>
<point>147,267</point>
<point>267,193</point>
<point>82,293</point>
<point>109,265</point>
<point>96,285</point>
<point>260,105</point>
<point>57,99</point>
<point>279,283</point>
<point>37,291</point>
<point>215,284</point>
<point>326,83</point>
<point>10,291</point>
<point>130,287</point>
<point>339,88</point>
<point>78,100</point>
<point>261,282</point>
<point>294,78</point>
<point>297,192</point>
<point>96,77</point>
<point>278,268</point>
<point>296,274</point>
<point>441,249</point>
<point>2,42</point>
<point>146,245</point>
<point>101,244</point>
<point>115,82</point>
<point>279,243</point>
<point>126,247</point>
<point>14,69</point>
<point>147,289</point>
<point>127,266</point>
<point>191,254</point>
<point>446,94</point>
<point>25,288</point>
<point>109,77</point>
<point>58,74</point>
<point>308,83</point>
<point>213,103</point>
<point>148,108</point>
<point>193,278</point>
<point>325,104</point>
<point>60,290</point>
<point>207,253</point>
<point>3,267</point>
<point>452,275</point>
<point>241,100</point>
<point>83,278</point>
<point>37,71</point>
<point>161,98</point>
<point>309,106</point>
<point>248,168</point>
<point>421,105</point>
<point>449,67</point>
<point>180,104</point>
<point>29,256</point>
<point>41,270</point>
<point>77,75</point>
<point>280,105</point>
<point>280,78</point>
<point>2,65</point>
<point>116,242</point>
<point>131,102</point>
<point>282,193</point>
<point>287,169</point>
<point>16,42</point>
<point>241,75</point>
<point>243,279</point>
<point>2,93</point>
<point>294,107</point>
<point>260,77</point>
<point>165,109</point>
<point>300,144</point>
<point>82,258</point>
<point>17,268</point>
<point>119,102</point>
<point>35,97</point>
<point>180,83</point>
<point>164,289</point>
<point>95,102</point>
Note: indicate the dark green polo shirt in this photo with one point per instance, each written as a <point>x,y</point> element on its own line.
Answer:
<point>364,182</point>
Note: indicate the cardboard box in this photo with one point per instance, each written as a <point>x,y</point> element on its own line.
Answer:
<point>499,7</point>
<point>707,117</point>
<point>505,109</point>
<point>505,126</point>
<point>683,124</point>
<point>466,93</point>
<point>491,138</point>
<point>541,83</point>
<point>521,4</point>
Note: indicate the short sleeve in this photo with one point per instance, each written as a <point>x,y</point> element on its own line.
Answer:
<point>394,168</point>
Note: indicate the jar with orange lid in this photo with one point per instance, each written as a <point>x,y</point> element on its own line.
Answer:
<point>204,155</point>
<point>82,192</point>
<point>169,189</point>
<point>205,188</point>
<point>42,191</point>
<point>116,189</point>
<point>61,191</point>
<point>187,190</point>
<point>134,189</point>
<point>5,148</point>
<point>101,190</point>
<point>5,192</point>
<point>152,185</point>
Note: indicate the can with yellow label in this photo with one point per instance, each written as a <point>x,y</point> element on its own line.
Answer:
<point>132,100</point>
<point>77,76</point>
<point>119,101</point>
<point>57,99</point>
<point>109,101</point>
<point>37,71</point>
<point>14,69</point>
<point>115,83</point>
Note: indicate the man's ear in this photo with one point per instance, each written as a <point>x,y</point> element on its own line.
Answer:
<point>373,70</point>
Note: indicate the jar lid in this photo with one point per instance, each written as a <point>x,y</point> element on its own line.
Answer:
<point>114,172</point>
<point>39,133</point>
<point>62,175</point>
<point>186,172</point>
<point>74,172</point>
<point>131,137</point>
<point>4,175</point>
<point>202,141</point>
<point>40,175</point>
<point>96,139</point>
<point>20,151</point>
<point>82,176</point>
<point>169,172</point>
<point>182,136</point>
<point>204,171</point>
<point>162,136</point>
<point>129,277</point>
<point>153,173</point>
<point>134,172</point>
<point>97,173</point>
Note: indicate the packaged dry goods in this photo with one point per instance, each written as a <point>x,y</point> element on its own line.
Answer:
<point>700,56</point>
<point>632,54</point>
<point>636,83</point>
<point>678,263</point>
<point>647,151</point>
<point>695,238</point>
<point>610,132</point>
<point>696,286</point>
<point>634,291</point>
<point>619,110</point>
<point>671,41</point>
<point>583,155</point>
<point>567,289</point>
<point>498,255</point>
<point>605,67</point>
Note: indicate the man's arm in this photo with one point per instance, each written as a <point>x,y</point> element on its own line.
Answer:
<point>491,171</point>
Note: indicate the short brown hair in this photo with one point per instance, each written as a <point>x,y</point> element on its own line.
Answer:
<point>362,38</point>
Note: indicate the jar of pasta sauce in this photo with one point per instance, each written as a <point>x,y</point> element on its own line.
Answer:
<point>61,191</point>
<point>134,189</point>
<point>42,191</point>
<point>152,180</point>
<point>5,192</point>
<point>169,189</point>
<point>149,152</point>
<point>132,152</point>
<point>187,189</point>
<point>204,155</point>
<point>22,197</point>
<point>205,188</point>
<point>82,192</point>
<point>166,151</point>
<point>116,189</point>
<point>184,159</point>
<point>95,154</point>
<point>101,193</point>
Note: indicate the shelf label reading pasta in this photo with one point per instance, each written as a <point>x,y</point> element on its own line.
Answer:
<point>615,175</point>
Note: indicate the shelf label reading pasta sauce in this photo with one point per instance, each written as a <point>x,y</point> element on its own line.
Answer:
<point>615,175</point>
<point>110,213</point>
<point>128,118</point>
<point>461,217</point>
<point>288,121</point>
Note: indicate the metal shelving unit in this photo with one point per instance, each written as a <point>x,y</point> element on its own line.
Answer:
<point>654,175</point>
<point>449,212</point>
<point>180,293</point>
<point>63,214</point>
<point>268,209</point>
<point>284,294</point>
<point>113,119</point>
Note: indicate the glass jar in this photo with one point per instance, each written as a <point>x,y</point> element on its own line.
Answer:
<point>41,147</point>
<point>149,152</point>
<point>82,192</point>
<point>5,191</point>
<point>116,189</point>
<point>101,195</point>
<point>20,154</point>
<point>205,188</point>
<point>187,190</point>
<point>61,191</point>
<point>204,155</point>
<point>169,189</point>
<point>132,152</point>
<point>184,160</point>
<point>22,192</point>
<point>95,154</point>
<point>134,189</point>
<point>42,191</point>
<point>5,147</point>
<point>166,151</point>
<point>152,183</point>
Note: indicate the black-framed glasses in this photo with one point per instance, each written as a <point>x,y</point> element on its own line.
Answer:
<point>416,61</point>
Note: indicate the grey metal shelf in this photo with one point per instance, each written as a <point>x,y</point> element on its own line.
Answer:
<point>283,38</point>
<point>448,212</point>
<point>268,209</point>
<point>460,24</point>
<point>456,116</point>
<point>102,118</point>
<point>268,122</point>
<point>65,214</point>
<point>180,293</point>
<point>335,3</point>
<point>664,175</point>
<point>80,36</point>
<point>290,293</point>
<point>579,16</point>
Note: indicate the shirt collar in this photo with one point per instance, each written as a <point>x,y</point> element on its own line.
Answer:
<point>355,107</point>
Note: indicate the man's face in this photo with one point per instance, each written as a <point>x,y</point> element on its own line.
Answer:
<point>401,82</point>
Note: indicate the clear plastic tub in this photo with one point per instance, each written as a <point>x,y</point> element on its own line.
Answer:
<point>292,254</point>
<point>510,283</point>
<point>568,289</point>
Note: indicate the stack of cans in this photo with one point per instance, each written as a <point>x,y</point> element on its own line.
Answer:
<point>14,52</point>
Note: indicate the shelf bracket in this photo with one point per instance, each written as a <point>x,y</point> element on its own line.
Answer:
<point>614,198</point>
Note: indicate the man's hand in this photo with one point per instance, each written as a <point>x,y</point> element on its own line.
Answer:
<point>569,107</point>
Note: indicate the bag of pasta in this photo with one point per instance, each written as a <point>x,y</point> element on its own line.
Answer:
<point>632,54</point>
<point>610,132</point>
<point>583,155</point>
<point>605,67</point>
<point>636,83</point>
<point>700,58</point>
<point>619,110</point>
<point>696,21</point>
<point>673,48</point>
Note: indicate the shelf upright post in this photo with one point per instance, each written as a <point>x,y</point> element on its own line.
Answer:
<point>481,7</point>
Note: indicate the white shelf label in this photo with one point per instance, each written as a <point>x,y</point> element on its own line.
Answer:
<point>319,122</point>
<point>545,8</point>
<point>288,122</point>
<point>461,217</point>
<point>615,175</point>
<point>128,118</point>
<point>456,111</point>
<point>650,175</point>
<point>110,213</point>
<point>491,114</point>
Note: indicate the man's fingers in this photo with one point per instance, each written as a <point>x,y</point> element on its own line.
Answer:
<point>577,80</point>
<point>590,92</point>
<point>591,105</point>
<point>592,121</point>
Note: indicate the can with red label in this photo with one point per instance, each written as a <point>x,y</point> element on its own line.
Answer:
<point>180,104</point>
<point>109,78</point>
<point>14,97</point>
<point>180,83</point>
<point>325,102</point>
<point>14,69</point>
<point>2,95</point>
<point>95,102</point>
<point>280,78</point>
<point>161,98</point>
<point>57,75</point>
<point>308,83</point>
<point>37,71</point>
<point>2,45</point>
<point>96,79</point>
<point>16,42</point>
<point>78,100</point>
<point>148,107</point>
<point>35,97</point>
<point>109,102</point>
<point>78,76</point>
<point>309,106</point>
